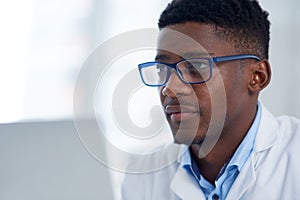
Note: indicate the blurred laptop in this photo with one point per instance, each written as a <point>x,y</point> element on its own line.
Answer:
<point>46,161</point>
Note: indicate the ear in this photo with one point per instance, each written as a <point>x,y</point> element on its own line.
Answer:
<point>260,76</point>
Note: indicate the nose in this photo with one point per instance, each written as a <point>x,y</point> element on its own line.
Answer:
<point>175,87</point>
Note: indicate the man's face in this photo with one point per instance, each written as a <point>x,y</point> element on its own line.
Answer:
<point>192,110</point>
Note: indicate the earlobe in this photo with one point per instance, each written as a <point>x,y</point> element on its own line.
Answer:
<point>260,76</point>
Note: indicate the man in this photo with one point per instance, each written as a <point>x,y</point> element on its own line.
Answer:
<point>209,90</point>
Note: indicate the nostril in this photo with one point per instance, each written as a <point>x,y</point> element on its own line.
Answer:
<point>168,92</point>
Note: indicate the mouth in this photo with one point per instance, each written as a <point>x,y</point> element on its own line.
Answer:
<point>179,117</point>
<point>179,113</point>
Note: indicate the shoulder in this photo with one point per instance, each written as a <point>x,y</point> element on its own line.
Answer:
<point>288,137</point>
<point>150,185</point>
<point>288,132</point>
<point>284,129</point>
<point>277,143</point>
<point>289,126</point>
<point>154,177</point>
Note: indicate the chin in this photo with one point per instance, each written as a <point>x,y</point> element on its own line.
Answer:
<point>180,139</point>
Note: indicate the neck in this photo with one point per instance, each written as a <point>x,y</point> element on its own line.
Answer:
<point>230,139</point>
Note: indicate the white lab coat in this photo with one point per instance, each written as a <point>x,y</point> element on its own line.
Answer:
<point>272,172</point>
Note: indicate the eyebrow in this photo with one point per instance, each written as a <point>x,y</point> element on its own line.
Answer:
<point>163,57</point>
<point>196,54</point>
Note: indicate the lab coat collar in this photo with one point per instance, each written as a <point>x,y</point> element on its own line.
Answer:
<point>267,131</point>
<point>185,187</point>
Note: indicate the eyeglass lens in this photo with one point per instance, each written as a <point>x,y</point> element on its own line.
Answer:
<point>193,70</point>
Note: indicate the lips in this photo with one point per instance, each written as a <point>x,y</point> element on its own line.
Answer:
<point>180,113</point>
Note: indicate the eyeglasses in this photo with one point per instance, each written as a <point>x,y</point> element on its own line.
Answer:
<point>190,71</point>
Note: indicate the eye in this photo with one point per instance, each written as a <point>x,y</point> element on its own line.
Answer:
<point>195,65</point>
<point>160,68</point>
<point>194,70</point>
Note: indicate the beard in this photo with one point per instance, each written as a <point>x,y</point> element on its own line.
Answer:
<point>192,133</point>
<point>205,135</point>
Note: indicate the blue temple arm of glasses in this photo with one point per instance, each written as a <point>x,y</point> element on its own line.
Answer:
<point>235,57</point>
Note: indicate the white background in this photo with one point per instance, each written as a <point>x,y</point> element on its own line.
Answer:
<point>44,43</point>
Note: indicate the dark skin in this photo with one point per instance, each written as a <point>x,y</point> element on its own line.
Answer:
<point>189,107</point>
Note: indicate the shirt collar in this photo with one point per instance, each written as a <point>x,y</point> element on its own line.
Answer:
<point>185,159</point>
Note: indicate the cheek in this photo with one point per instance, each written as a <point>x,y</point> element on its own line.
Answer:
<point>203,100</point>
<point>226,83</point>
<point>235,88</point>
<point>213,101</point>
<point>236,95</point>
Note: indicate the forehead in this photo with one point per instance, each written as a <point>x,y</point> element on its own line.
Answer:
<point>193,38</point>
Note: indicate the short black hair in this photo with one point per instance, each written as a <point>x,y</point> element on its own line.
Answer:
<point>242,21</point>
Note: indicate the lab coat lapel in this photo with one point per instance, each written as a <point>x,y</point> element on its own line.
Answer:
<point>185,186</point>
<point>265,138</point>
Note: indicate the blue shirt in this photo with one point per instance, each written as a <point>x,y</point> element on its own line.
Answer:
<point>230,171</point>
